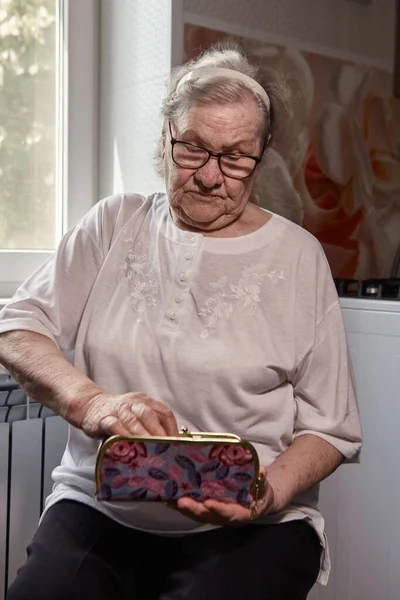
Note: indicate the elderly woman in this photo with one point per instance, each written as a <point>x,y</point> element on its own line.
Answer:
<point>197,308</point>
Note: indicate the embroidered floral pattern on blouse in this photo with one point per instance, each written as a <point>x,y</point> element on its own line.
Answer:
<point>142,279</point>
<point>229,298</point>
<point>274,275</point>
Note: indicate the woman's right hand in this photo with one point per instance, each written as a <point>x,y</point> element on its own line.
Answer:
<point>126,414</point>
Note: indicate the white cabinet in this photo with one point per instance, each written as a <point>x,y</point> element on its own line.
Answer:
<point>361,503</point>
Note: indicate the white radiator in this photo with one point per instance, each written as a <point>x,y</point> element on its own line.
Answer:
<point>29,450</point>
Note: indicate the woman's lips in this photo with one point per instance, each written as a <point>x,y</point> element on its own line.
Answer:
<point>201,195</point>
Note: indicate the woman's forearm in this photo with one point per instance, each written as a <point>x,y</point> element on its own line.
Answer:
<point>307,461</point>
<point>44,373</point>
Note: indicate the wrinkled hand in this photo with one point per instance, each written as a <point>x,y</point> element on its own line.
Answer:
<point>126,414</point>
<point>216,512</point>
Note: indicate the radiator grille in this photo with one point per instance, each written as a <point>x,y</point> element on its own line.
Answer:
<point>32,441</point>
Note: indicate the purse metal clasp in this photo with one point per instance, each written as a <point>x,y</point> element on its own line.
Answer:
<point>185,432</point>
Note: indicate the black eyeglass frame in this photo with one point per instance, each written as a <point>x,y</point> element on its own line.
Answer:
<point>218,156</point>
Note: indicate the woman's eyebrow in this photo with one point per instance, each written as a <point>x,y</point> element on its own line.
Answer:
<point>192,136</point>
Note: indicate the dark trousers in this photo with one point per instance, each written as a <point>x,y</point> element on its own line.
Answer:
<point>78,553</point>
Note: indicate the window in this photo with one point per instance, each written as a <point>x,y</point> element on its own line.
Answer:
<point>28,199</point>
<point>48,128</point>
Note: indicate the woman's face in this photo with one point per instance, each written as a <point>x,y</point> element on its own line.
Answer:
<point>205,198</point>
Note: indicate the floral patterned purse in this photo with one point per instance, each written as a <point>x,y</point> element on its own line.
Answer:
<point>195,465</point>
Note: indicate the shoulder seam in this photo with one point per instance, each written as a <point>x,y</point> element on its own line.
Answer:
<point>334,304</point>
<point>311,346</point>
<point>100,254</point>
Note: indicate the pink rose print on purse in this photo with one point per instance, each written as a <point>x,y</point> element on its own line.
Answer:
<point>232,455</point>
<point>125,452</point>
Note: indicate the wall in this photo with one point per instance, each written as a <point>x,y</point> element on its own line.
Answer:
<point>135,59</point>
<point>140,39</point>
<point>365,28</point>
<point>340,144</point>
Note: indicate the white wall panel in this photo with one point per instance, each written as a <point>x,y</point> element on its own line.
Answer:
<point>135,41</point>
<point>131,129</point>
<point>136,59</point>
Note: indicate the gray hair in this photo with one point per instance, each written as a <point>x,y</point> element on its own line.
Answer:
<point>217,90</point>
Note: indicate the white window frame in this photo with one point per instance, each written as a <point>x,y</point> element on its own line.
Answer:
<point>78,116</point>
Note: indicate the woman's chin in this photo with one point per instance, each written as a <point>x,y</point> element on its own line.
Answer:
<point>199,216</point>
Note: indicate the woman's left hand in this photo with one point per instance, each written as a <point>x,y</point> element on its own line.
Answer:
<point>220,513</point>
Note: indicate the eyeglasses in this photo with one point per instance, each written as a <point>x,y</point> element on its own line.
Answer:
<point>189,156</point>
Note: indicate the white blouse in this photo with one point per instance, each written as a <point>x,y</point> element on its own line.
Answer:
<point>234,334</point>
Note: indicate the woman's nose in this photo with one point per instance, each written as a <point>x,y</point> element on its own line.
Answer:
<point>209,175</point>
